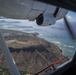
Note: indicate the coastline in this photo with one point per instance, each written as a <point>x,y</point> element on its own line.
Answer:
<point>30,46</point>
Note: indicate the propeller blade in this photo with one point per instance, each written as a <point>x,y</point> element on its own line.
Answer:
<point>69,28</point>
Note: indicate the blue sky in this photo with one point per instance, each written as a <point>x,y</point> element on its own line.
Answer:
<point>71,15</point>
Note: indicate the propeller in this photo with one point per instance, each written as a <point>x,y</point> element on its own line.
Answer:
<point>69,28</point>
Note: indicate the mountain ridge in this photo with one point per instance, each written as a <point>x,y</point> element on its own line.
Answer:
<point>30,52</point>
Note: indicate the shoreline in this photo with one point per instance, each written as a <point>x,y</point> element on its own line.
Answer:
<point>25,46</point>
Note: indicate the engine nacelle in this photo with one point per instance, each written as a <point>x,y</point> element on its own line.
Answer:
<point>43,13</point>
<point>45,20</point>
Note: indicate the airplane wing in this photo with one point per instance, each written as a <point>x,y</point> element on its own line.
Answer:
<point>67,4</point>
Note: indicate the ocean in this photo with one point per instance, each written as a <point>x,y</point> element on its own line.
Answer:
<point>56,34</point>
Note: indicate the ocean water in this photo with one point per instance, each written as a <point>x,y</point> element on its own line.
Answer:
<point>56,34</point>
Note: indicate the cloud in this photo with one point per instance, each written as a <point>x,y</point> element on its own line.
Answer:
<point>69,17</point>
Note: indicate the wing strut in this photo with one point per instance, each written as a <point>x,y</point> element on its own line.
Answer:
<point>8,56</point>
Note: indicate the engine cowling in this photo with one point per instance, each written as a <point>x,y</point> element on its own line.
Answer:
<point>45,20</point>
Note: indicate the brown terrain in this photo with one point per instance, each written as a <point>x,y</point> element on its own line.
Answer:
<point>30,52</point>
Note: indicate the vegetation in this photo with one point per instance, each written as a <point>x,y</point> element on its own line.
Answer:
<point>7,72</point>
